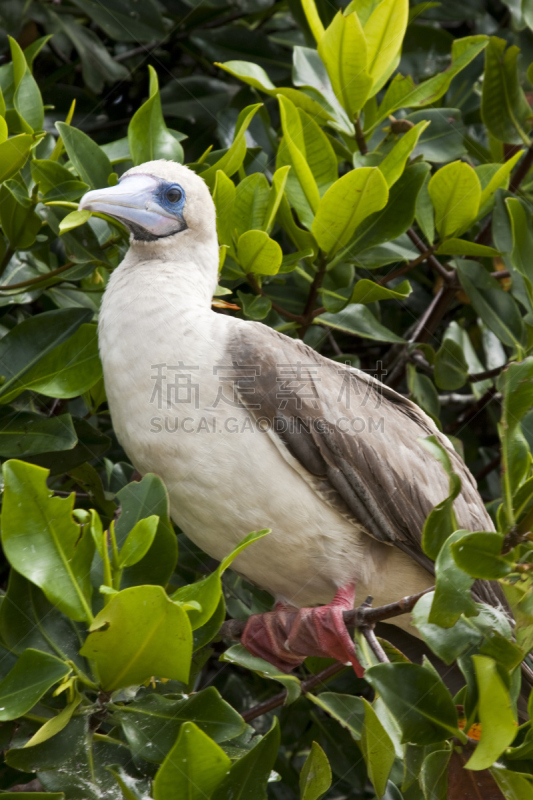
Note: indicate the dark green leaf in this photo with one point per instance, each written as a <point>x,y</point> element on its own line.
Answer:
<point>33,674</point>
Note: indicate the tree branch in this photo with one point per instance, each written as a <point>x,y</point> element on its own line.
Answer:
<point>434,263</point>
<point>360,138</point>
<point>252,280</point>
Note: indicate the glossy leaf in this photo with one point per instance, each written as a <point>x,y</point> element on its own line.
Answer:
<point>359,321</point>
<point>455,192</point>
<point>23,433</point>
<point>346,204</point>
<point>504,108</point>
<point>478,554</point>
<point>193,768</point>
<point>384,32</point>
<point>33,674</point>
<point>151,724</point>
<point>138,541</point>
<point>248,776</point>
<point>393,164</point>
<point>343,49</point>
<point>377,748</point>
<point>148,135</point>
<point>43,543</point>
<point>65,370</point>
<point>89,160</point>
<point>452,596</point>
<point>139,501</point>
<point>258,253</point>
<point>424,709</point>
<point>140,633</point>
<point>496,715</point>
<point>451,369</point>
<point>315,777</point>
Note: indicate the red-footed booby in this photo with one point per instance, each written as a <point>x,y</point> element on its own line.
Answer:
<point>250,429</point>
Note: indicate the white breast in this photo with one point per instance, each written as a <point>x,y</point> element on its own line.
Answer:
<point>166,375</point>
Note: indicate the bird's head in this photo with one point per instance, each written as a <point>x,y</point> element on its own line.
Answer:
<point>157,200</point>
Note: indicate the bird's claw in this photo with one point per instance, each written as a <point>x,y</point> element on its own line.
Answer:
<point>285,637</point>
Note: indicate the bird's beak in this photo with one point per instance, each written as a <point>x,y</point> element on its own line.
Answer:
<point>134,202</point>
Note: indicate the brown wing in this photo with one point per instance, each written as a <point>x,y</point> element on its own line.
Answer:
<point>356,437</point>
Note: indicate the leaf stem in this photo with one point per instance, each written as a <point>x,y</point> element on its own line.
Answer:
<point>360,137</point>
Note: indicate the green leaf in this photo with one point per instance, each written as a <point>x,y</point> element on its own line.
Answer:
<point>247,778</point>
<point>237,654</point>
<point>258,253</point>
<point>74,220</point>
<point>504,108</point>
<point>366,291</point>
<point>403,93</point>
<point>89,160</point>
<point>52,753</point>
<point>234,156</point>
<point>43,543</point>
<point>315,777</point>
<point>140,633</point>
<point>27,97</point>
<point>499,179</point>
<point>462,247</point>
<point>279,181</point>
<point>56,724</point>
<point>393,164</point>
<point>443,140</point>
<point>139,500</point>
<point>359,321</point>
<point>423,392</point>
<point>434,774</point>
<point>138,541</point>
<point>24,433</point>
<point>19,221</point>
<point>313,19</point>
<point>377,748</point>
<point>32,676</point>
<point>424,708</point>
<point>478,554</point>
<point>255,306</point>
<point>452,593</point>
<point>522,231</point>
<point>346,204</point>
<point>447,643</point>
<point>193,768</point>
<point>513,785</point>
<point>496,715</point>
<point>394,218</point>
<point>384,32</point>
<point>27,619</point>
<point>455,192</point>
<point>67,370</point>
<point>347,709</point>
<point>496,308</point>
<point>14,153</point>
<point>224,198</point>
<point>249,204</point>
<point>451,369</point>
<point>255,76</point>
<point>293,133</point>
<point>343,49</point>
<point>151,724</point>
<point>148,136</point>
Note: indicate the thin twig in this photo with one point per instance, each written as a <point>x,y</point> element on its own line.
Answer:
<point>310,312</point>
<point>374,645</point>
<point>522,170</point>
<point>306,686</point>
<point>406,267</point>
<point>360,138</point>
<point>252,280</point>
<point>434,263</point>
<point>473,410</point>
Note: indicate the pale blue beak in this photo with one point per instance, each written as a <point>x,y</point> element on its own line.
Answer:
<point>135,201</point>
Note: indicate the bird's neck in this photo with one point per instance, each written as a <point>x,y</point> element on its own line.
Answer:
<point>181,266</point>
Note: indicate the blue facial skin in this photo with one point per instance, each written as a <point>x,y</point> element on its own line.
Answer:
<point>171,198</point>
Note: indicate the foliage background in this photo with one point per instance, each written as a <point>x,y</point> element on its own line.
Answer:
<point>472,316</point>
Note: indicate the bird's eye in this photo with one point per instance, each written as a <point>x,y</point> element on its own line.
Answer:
<point>173,195</point>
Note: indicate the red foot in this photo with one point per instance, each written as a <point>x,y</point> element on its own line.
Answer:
<point>285,637</point>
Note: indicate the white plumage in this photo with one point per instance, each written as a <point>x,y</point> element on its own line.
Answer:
<point>226,477</point>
